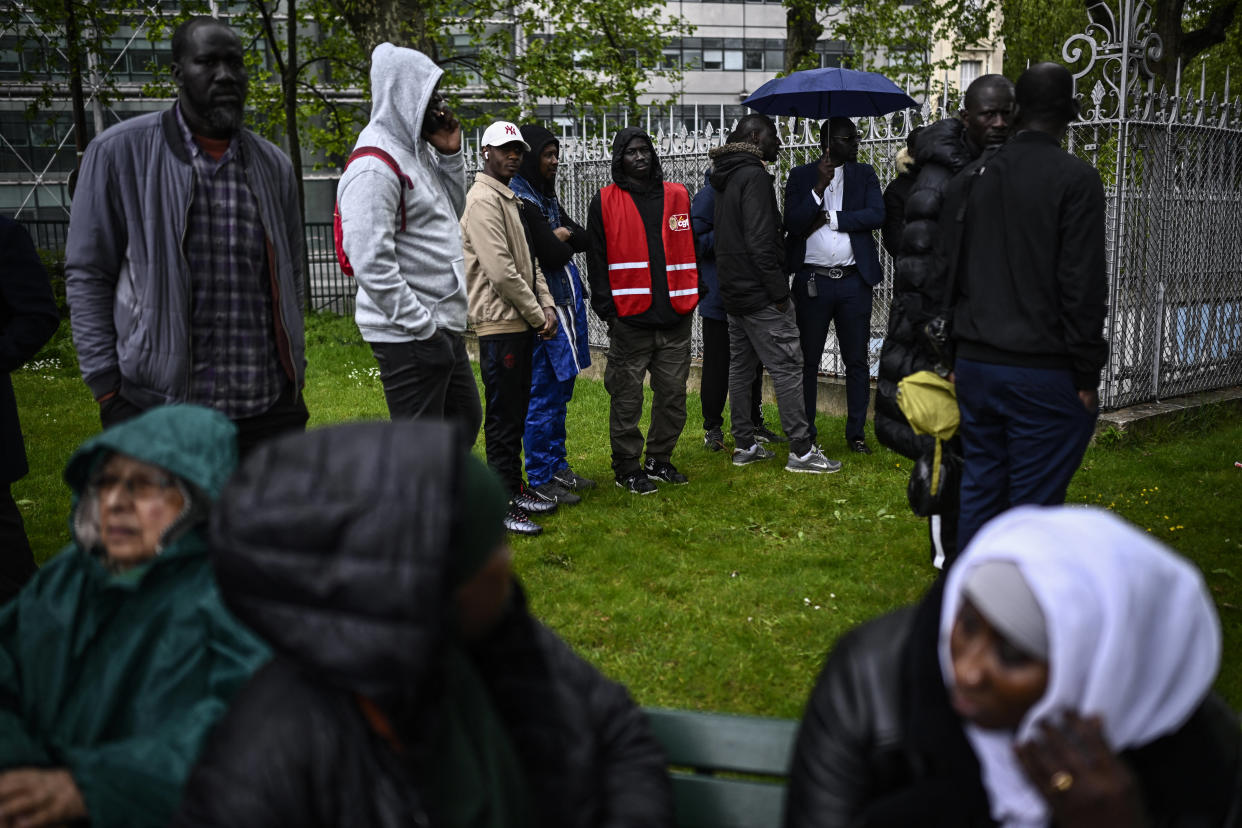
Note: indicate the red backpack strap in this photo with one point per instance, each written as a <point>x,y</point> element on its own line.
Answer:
<point>376,152</point>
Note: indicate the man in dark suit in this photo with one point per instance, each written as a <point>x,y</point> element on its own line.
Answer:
<point>831,207</point>
<point>28,318</point>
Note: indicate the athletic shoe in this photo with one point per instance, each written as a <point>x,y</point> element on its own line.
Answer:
<point>554,492</point>
<point>765,435</point>
<point>637,482</point>
<point>528,501</point>
<point>664,470</point>
<point>813,462</point>
<point>713,440</point>
<point>567,478</point>
<point>519,523</point>
<point>744,457</point>
<point>859,447</point>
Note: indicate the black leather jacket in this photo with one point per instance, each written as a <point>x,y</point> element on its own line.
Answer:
<point>880,744</point>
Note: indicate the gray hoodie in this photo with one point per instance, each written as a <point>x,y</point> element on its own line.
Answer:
<point>410,283</point>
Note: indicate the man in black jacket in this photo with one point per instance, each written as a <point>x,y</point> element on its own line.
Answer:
<point>644,284</point>
<point>831,208</point>
<point>943,150</point>
<point>28,318</point>
<point>755,293</point>
<point>1030,296</point>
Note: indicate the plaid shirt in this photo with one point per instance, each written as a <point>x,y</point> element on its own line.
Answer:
<point>236,368</point>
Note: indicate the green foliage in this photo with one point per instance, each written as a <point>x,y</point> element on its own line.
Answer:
<point>727,593</point>
<point>897,36</point>
<point>1035,31</point>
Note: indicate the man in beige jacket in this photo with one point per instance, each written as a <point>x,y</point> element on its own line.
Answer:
<point>509,299</point>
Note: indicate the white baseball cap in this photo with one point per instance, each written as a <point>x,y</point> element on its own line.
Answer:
<point>501,133</point>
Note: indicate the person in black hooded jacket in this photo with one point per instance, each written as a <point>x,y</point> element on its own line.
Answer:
<point>644,279</point>
<point>411,686</point>
<point>942,151</point>
<point>755,293</point>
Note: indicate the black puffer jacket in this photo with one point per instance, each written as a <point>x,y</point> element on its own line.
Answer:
<point>880,744</point>
<point>750,254</point>
<point>333,546</point>
<point>942,151</point>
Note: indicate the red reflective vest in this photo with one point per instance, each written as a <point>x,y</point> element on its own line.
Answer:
<point>629,266</point>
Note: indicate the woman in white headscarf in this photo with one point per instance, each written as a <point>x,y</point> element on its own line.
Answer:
<point>1060,674</point>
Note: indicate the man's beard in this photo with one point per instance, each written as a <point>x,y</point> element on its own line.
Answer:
<point>226,117</point>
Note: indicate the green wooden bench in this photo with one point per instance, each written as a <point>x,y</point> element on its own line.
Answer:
<point>700,746</point>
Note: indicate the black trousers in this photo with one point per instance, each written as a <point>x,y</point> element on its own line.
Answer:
<point>714,387</point>
<point>288,414</point>
<point>505,362</point>
<point>431,378</point>
<point>17,564</point>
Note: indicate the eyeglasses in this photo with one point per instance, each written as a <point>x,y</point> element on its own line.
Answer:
<point>139,486</point>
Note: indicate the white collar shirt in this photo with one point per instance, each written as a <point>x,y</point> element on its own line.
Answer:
<point>827,246</point>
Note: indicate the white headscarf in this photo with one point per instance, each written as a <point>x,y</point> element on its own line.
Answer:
<point>1133,637</point>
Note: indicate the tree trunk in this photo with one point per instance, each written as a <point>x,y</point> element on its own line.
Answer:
<point>289,88</point>
<point>802,29</point>
<point>74,54</point>
<point>400,22</point>
<point>1179,43</point>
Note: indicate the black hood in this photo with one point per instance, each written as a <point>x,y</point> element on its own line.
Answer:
<point>622,180</point>
<point>333,546</point>
<point>728,159</point>
<point>538,138</point>
<point>945,143</point>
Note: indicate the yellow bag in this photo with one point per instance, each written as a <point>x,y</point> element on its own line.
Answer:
<point>929,402</point>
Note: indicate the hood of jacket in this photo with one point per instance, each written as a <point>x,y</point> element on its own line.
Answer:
<point>333,547</point>
<point>623,181</point>
<point>729,158</point>
<point>402,81</point>
<point>945,143</point>
<point>538,138</point>
<point>193,443</point>
<point>905,161</point>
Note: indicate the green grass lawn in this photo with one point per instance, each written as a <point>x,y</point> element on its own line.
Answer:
<point>727,593</point>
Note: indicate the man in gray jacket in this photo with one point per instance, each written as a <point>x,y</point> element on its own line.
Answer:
<point>184,260</point>
<point>400,231</point>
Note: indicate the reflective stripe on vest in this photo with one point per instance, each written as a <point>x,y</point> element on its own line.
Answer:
<point>629,266</point>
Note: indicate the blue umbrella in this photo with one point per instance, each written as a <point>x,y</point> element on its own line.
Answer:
<point>825,93</point>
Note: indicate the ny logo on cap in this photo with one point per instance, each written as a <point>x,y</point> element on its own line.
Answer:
<point>509,130</point>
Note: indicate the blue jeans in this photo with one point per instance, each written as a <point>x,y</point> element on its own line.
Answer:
<point>1024,432</point>
<point>846,303</point>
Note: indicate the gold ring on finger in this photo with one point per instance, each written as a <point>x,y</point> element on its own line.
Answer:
<point>1062,781</point>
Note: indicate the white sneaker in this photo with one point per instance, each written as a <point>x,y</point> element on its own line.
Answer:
<point>744,457</point>
<point>813,462</point>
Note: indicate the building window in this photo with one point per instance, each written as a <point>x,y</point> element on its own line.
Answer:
<point>970,70</point>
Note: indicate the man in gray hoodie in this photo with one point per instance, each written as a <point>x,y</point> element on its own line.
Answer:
<point>401,234</point>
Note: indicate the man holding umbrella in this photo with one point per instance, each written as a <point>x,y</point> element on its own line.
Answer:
<point>831,207</point>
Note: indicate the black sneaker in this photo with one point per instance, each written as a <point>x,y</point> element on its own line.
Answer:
<point>637,482</point>
<point>713,440</point>
<point>664,470</point>
<point>567,478</point>
<point>519,523</point>
<point>554,492</point>
<point>859,447</point>
<point>763,434</point>
<point>528,501</point>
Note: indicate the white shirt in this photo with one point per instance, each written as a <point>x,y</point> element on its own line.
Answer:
<point>827,246</point>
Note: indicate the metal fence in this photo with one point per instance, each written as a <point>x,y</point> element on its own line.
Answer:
<point>1171,163</point>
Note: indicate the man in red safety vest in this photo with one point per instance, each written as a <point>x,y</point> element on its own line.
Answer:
<point>644,285</point>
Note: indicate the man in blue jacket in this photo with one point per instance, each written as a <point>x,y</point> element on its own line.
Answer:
<point>831,207</point>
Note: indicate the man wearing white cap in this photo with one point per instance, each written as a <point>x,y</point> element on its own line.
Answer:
<point>508,300</point>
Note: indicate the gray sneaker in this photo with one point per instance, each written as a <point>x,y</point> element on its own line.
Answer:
<point>813,462</point>
<point>757,452</point>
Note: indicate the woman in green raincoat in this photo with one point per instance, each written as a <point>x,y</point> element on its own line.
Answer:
<point>117,658</point>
